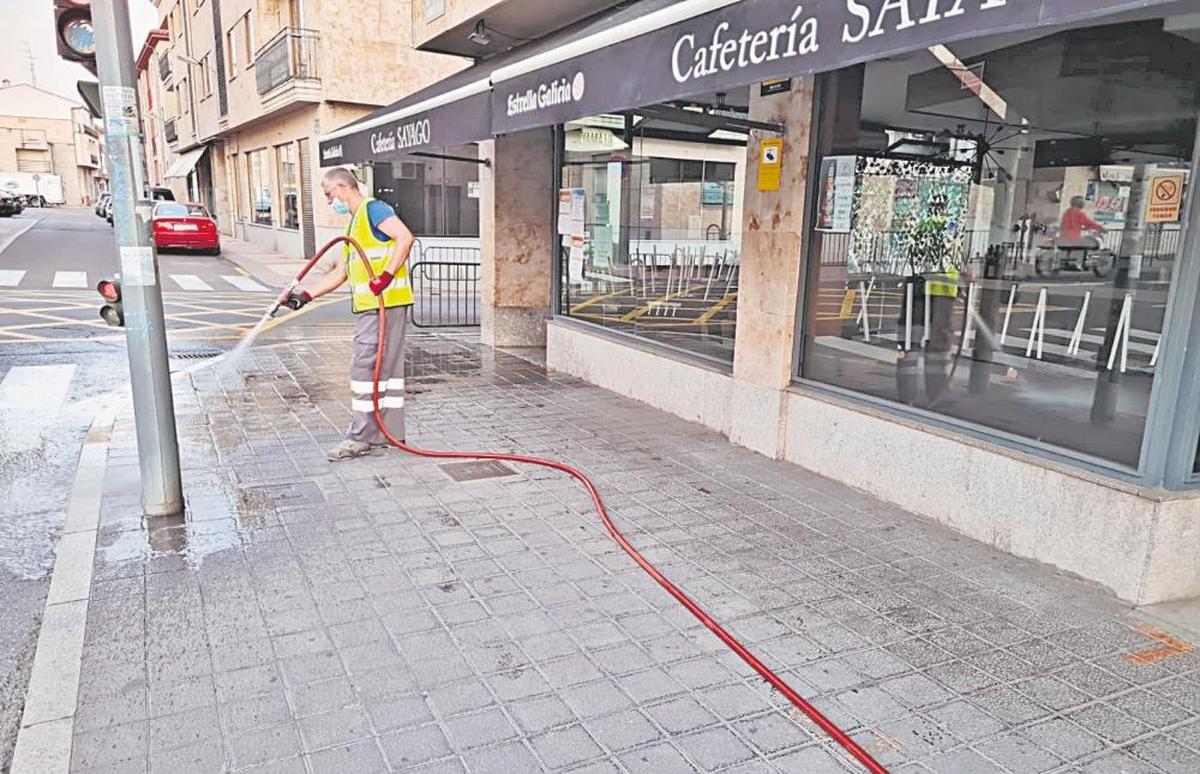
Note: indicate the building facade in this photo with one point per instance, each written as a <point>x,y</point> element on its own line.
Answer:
<point>44,134</point>
<point>939,251</point>
<point>234,93</point>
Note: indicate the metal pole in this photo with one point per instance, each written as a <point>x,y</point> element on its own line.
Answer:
<point>145,332</point>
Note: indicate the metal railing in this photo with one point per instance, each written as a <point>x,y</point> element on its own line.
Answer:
<point>445,294</point>
<point>291,55</point>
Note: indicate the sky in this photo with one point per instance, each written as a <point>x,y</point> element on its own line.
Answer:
<point>28,29</point>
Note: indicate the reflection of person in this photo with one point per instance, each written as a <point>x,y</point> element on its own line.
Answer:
<point>937,285</point>
<point>387,242</point>
<point>1074,222</point>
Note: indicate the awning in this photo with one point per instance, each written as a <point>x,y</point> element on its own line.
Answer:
<point>657,54</point>
<point>656,51</point>
<point>183,166</point>
<point>453,111</point>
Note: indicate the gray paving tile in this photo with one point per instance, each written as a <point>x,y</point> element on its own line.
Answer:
<point>409,747</point>
<point>565,746</point>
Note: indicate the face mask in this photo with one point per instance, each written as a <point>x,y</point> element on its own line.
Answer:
<point>340,207</point>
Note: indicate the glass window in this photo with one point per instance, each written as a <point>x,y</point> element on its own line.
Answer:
<point>260,186</point>
<point>997,226</point>
<point>435,194</point>
<point>205,75</point>
<point>289,185</point>
<point>231,51</point>
<point>650,223</point>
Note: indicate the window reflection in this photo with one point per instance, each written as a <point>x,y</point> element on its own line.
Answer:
<point>997,229</point>
<point>650,223</point>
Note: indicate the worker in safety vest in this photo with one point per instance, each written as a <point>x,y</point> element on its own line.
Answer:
<point>387,242</point>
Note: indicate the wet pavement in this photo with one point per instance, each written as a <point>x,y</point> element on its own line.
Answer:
<point>379,615</point>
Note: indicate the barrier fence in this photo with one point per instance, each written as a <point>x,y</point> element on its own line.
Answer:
<point>445,294</point>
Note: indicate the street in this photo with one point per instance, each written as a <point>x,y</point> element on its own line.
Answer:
<point>59,364</point>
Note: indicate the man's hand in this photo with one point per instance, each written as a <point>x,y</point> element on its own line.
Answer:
<point>380,283</point>
<point>297,299</point>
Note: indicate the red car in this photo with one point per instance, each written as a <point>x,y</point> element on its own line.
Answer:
<point>184,225</point>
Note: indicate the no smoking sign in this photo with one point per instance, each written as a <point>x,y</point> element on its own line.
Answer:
<point>1166,198</point>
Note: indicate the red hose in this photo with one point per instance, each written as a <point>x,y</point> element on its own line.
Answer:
<point>838,735</point>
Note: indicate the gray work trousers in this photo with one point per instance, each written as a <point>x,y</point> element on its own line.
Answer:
<point>391,376</point>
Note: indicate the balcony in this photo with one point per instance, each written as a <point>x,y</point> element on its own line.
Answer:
<point>285,68</point>
<point>170,131</point>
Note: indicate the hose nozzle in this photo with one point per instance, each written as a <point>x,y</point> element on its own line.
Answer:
<point>287,291</point>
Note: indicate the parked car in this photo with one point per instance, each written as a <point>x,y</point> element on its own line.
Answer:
<point>9,206</point>
<point>101,207</point>
<point>162,194</point>
<point>108,210</point>
<point>185,225</point>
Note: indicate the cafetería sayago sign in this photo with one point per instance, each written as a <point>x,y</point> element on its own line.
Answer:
<point>759,40</point>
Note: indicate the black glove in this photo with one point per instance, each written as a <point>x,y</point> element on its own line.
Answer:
<point>297,299</point>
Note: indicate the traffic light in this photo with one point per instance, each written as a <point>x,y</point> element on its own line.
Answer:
<point>112,312</point>
<point>74,33</point>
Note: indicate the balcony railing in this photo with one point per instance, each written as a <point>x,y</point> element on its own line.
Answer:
<point>289,56</point>
<point>164,66</point>
<point>170,131</point>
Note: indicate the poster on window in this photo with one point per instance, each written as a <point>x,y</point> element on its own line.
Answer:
<point>602,247</point>
<point>571,203</point>
<point>836,206</point>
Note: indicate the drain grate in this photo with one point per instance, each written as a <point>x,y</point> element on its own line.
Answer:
<point>282,494</point>
<point>476,471</point>
<point>195,355</point>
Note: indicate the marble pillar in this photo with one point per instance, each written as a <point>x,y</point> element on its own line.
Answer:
<point>515,204</point>
<point>773,225</point>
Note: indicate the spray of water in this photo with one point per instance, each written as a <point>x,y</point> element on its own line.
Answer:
<point>228,364</point>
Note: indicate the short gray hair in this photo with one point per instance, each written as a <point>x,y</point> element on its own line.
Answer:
<point>341,176</point>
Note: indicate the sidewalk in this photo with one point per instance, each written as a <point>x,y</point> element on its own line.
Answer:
<point>377,615</point>
<point>275,268</point>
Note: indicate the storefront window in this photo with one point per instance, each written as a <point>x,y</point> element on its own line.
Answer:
<point>260,186</point>
<point>649,222</point>
<point>289,187</point>
<point>997,228</point>
<point>436,193</point>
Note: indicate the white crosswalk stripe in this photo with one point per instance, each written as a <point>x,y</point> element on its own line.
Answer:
<point>243,283</point>
<point>190,282</point>
<point>70,279</point>
<point>10,278</point>
<point>29,397</point>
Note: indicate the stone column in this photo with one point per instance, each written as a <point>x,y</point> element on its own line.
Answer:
<point>773,225</point>
<point>515,200</point>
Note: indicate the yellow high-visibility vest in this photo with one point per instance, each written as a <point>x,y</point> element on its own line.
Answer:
<point>944,283</point>
<point>399,293</point>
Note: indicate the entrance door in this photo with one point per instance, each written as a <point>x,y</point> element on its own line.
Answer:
<point>308,233</point>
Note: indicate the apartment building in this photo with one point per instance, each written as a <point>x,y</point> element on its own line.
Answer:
<point>45,134</point>
<point>234,94</point>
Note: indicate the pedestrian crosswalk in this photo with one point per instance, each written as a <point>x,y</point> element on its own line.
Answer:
<point>21,279</point>
<point>70,279</point>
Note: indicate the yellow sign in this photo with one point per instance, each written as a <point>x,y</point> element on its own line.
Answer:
<point>847,304</point>
<point>770,164</point>
<point>1166,197</point>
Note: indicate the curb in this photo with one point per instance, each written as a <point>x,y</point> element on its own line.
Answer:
<point>17,235</point>
<point>48,721</point>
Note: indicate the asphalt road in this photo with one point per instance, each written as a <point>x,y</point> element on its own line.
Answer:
<point>59,363</point>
